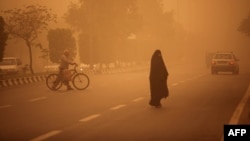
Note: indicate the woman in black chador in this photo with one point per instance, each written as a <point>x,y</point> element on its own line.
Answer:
<point>158,79</point>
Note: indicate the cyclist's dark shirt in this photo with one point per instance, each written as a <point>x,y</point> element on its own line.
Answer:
<point>65,61</point>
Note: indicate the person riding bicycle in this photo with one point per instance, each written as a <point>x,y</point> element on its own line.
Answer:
<point>64,65</point>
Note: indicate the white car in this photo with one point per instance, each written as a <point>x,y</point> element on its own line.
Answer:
<point>11,65</point>
<point>224,62</point>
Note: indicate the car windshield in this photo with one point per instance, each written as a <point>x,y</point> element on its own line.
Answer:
<point>223,56</point>
<point>8,62</point>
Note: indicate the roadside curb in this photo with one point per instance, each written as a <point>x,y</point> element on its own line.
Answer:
<point>10,82</point>
<point>22,81</point>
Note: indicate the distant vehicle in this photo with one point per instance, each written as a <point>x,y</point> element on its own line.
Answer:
<point>224,62</point>
<point>208,58</point>
<point>11,65</point>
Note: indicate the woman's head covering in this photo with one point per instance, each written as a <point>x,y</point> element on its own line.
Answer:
<point>157,53</point>
<point>157,65</point>
<point>157,58</point>
<point>66,52</point>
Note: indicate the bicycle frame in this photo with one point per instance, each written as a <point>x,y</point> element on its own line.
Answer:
<point>79,80</point>
<point>74,71</point>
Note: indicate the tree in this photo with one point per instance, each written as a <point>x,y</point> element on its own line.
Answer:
<point>245,26</point>
<point>3,38</point>
<point>158,26</point>
<point>104,27</point>
<point>59,40</point>
<point>27,23</point>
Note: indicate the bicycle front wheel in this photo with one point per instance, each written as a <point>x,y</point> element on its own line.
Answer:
<point>50,81</point>
<point>80,81</point>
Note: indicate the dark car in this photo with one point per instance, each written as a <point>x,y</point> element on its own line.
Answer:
<point>224,62</point>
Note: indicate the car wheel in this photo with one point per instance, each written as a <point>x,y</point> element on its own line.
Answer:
<point>236,72</point>
<point>213,72</point>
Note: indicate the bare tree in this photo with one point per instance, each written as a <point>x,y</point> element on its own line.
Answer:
<point>27,23</point>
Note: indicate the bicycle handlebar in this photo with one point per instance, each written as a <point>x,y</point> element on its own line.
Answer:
<point>75,65</point>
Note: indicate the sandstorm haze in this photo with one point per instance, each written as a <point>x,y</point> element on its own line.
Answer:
<point>209,26</point>
<point>113,41</point>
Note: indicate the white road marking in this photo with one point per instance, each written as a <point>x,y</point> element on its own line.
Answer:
<point>174,84</point>
<point>46,136</point>
<point>89,118</point>
<point>182,81</point>
<point>37,99</point>
<point>194,77</point>
<point>117,107</point>
<point>138,99</point>
<point>237,113</point>
<point>5,106</point>
<point>198,76</point>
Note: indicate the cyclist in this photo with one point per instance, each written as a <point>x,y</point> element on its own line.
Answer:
<point>64,65</point>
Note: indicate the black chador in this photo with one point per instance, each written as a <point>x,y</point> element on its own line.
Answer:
<point>158,79</point>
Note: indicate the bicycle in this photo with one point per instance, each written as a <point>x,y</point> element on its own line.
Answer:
<point>79,80</point>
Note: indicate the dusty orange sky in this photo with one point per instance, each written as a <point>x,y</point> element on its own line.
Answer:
<point>205,14</point>
<point>195,15</point>
<point>210,18</point>
<point>211,24</point>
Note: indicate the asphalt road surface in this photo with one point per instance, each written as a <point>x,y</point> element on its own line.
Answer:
<point>115,108</point>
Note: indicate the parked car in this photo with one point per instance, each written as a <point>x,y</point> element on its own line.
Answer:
<point>224,62</point>
<point>11,65</point>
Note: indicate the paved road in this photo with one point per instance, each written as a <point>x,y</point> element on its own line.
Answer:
<point>115,108</point>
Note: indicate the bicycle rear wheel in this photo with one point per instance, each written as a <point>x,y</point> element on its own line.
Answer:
<point>80,81</point>
<point>50,81</point>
